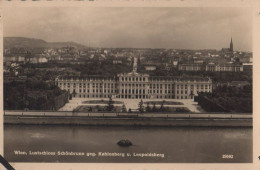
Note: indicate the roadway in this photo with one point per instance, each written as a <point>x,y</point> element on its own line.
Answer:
<point>140,115</point>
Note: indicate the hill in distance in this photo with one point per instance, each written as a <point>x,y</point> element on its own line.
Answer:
<point>22,42</point>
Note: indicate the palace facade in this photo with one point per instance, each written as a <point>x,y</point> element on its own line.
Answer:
<point>135,85</point>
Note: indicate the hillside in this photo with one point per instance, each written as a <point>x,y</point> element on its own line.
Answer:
<point>22,42</point>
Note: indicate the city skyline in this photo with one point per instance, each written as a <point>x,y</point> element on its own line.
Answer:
<point>170,28</point>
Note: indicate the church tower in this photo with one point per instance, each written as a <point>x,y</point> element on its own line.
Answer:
<point>231,45</point>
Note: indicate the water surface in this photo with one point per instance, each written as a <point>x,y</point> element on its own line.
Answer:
<point>172,144</point>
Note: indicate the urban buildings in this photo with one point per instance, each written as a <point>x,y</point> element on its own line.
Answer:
<point>215,65</point>
<point>135,85</point>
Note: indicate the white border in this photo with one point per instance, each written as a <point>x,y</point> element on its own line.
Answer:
<point>254,4</point>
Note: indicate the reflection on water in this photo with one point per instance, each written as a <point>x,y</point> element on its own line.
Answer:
<point>177,144</point>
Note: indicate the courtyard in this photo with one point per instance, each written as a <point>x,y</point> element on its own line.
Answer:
<point>132,103</point>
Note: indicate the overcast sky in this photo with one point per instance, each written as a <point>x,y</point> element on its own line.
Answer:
<point>186,28</point>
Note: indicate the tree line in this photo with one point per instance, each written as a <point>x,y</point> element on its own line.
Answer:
<point>33,95</point>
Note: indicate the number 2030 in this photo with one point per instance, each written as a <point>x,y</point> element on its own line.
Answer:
<point>227,156</point>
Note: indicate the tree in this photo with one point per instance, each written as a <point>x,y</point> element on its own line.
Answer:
<point>162,107</point>
<point>148,109</point>
<point>141,106</point>
<point>110,105</point>
<point>154,108</point>
<point>123,108</point>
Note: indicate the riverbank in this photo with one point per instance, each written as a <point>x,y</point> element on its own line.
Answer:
<point>129,121</point>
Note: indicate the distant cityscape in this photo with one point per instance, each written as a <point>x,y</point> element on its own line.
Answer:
<point>128,72</point>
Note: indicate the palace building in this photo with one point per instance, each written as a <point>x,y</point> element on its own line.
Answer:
<point>135,85</point>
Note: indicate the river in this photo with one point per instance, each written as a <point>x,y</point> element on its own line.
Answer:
<point>150,144</point>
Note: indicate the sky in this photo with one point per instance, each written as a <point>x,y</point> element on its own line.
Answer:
<point>134,27</point>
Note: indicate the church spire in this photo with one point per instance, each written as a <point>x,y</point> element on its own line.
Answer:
<point>231,45</point>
